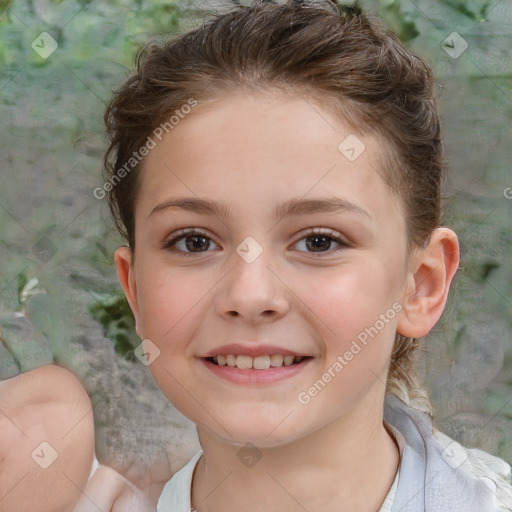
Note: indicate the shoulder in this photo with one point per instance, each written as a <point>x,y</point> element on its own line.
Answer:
<point>439,473</point>
<point>493,471</point>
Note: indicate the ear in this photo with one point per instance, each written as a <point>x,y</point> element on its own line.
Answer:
<point>126,276</point>
<point>432,272</point>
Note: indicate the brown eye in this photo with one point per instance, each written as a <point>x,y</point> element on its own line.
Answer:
<point>196,243</point>
<point>318,243</point>
<point>190,241</point>
<point>321,242</point>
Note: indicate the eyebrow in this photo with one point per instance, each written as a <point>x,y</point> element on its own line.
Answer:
<point>292,207</point>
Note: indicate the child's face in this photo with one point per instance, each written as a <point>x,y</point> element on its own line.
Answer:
<point>215,294</point>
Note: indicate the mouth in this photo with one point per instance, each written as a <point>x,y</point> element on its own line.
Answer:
<point>255,364</point>
<point>263,362</point>
<point>257,370</point>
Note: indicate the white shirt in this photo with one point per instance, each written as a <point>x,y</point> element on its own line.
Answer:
<point>436,474</point>
<point>177,492</point>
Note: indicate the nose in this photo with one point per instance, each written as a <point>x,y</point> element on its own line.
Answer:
<point>252,292</point>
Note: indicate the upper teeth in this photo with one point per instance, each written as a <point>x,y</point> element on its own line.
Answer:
<point>258,363</point>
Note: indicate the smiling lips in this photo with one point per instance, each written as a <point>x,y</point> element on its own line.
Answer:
<point>262,362</point>
<point>253,364</point>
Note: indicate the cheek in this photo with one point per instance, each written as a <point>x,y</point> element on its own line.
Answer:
<point>170,312</point>
<point>348,299</point>
<point>168,301</point>
<point>354,315</point>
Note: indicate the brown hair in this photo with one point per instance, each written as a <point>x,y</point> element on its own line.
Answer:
<point>333,54</point>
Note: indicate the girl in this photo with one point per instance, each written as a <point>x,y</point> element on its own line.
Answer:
<point>276,174</point>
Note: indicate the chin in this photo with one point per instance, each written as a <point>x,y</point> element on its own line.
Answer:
<point>260,428</point>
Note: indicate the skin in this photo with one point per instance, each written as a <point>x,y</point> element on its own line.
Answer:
<point>108,490</point>
<point>253,153</point>
<point>48,405</point>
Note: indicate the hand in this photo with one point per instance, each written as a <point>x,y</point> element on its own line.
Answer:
<point>49,405</point>
<point>46,440</point>
<point>108,491</point>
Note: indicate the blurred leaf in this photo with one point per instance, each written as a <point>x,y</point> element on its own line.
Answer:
<point>114,315</point>
<point>399,22</point>
<point>22,281</point>
<point>475,10</point>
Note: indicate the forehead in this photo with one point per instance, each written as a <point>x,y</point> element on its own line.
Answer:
<point>244,149</point>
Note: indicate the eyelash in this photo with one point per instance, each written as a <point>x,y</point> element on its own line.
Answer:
<point>185,233</point>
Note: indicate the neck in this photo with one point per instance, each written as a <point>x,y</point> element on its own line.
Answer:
<point>348,465</point>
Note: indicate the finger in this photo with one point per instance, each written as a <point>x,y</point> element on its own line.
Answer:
<point>46,441</point>
<point>108,491</point>
<point>132,500</point>
<point>100,492</point>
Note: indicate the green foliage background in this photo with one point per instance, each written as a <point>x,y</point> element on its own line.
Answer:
<point>51,144</point>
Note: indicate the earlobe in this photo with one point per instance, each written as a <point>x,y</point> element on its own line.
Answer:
<point>429,283</point>
<point>126,276</point>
